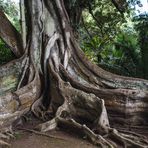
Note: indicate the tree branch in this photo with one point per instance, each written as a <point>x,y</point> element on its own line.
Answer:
<point>10,35</point>
<point>120,5</point>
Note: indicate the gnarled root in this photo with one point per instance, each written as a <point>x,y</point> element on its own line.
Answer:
<point>3,143</point>
<point>5,135</point>
<point>113,139</point>
<point>89,117</point>
<point>130,139</point>
<point>84,111</point>
<point>94,138</point>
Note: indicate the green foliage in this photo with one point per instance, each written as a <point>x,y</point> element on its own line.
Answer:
<point>126,53</point>
<point>110,39</point>
<point>142,28</point>
<point>5,53</point>
<point>103,19</point>
<point>99,27</point>
<point>11,10</point>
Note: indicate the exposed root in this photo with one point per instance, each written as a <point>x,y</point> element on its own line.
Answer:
<point>128,139</point>
<point>23,73</point>
<point>47,126</point>
<point>113,139</point>
<point>79,106</point>
<point>94,138</point>
<point>41,133</point>
<point>3,143</point>
<point>67,113</point>
<point>132,133</point>
<point>38,109</point>
<point>5,135</point>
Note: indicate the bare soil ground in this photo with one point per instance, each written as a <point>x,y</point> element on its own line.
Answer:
<point>65,138</point>
<point>31,140</point>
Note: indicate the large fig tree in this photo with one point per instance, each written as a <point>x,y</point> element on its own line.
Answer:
<point>53,79</point>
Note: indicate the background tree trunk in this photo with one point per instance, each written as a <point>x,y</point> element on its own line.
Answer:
<point>10,35</point>
<point>54,78</point>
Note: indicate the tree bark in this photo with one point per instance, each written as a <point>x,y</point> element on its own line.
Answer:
<point>57,83</point>
<point>23,22</point>
<point>10,35</point>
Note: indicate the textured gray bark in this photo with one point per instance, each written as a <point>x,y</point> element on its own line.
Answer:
<point>59,81</point>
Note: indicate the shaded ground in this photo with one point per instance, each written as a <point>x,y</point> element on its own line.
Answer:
<point>64,139</point>
<point>31,140</point>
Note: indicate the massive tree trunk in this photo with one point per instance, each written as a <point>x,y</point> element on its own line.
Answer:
<point>56,82</point>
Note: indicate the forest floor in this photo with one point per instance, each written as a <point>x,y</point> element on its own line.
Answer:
<point>23,138</point>
<point>31,140</point>
<point>62,139</point>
